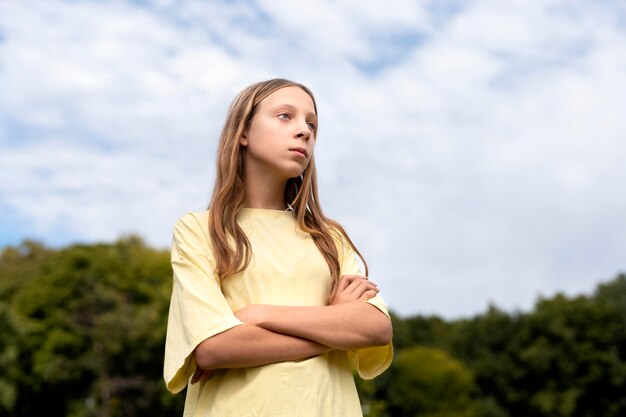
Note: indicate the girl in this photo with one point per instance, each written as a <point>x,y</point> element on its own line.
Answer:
<point>269,311</point>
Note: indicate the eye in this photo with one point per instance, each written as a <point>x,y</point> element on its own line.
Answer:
<point>311,125</point>
<point>284,116</point>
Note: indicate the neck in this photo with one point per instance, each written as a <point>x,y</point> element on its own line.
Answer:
<point>264,192</point>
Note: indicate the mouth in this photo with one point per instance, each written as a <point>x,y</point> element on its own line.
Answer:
<point>301,151</point>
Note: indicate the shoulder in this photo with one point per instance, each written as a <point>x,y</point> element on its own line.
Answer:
<point>193,217</point>
<point>193,227</point>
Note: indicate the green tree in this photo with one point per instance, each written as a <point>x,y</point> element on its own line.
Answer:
<point>565,358</point>
<point>427,382</point>
<point>371,403</point>
<point>570,354</point>
<point>421,330</point>
<point>89,325</point>
<point>613,296</point>
<point>18,265</point>
<point>83,329</point>
<point>486,343</point>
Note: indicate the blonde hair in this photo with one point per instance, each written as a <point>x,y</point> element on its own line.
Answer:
<point>229,192</point>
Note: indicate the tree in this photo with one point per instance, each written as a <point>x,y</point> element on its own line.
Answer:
<point>570,354</point>
<point>90,325</point>
<point>565,358</point>
<point>486,343</point>
<point>83,330</point>
<point>427,382</point>
<point>18,265</point>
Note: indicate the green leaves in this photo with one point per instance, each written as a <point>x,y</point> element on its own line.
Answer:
<point>426,381</point>
<point>83,329</point>
<point>566,358</point>
<point>87,326</point>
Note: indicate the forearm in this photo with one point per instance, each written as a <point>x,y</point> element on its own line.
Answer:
<point>247,345</point>
<point>347,326</point>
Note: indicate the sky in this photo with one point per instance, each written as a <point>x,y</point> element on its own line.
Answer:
<point>474,150</point>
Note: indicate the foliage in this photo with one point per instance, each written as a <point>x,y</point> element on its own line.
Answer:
<point>563,359</point>
<point>418,330</point>
<point>567,357</point>
<point>86,325</point>
<point>83,329</point>
<point>425,381</point>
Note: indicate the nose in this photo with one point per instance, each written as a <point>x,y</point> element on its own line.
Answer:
<point>303,133</point>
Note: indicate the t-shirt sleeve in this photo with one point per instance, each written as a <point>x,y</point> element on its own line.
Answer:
<point>373,361</point>
<point>198,309</point>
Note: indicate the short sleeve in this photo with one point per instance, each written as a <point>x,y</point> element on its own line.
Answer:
<point>373,361</point>
<point>198,309</point>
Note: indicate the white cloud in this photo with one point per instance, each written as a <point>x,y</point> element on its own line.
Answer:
<point>480,159</point>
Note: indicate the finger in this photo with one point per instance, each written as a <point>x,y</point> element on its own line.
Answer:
<point>197,375</point>
<point>201,375</point>
<point>353,276</point>
<point>362,289</point>
<point>356,291</point>
<point>358,283</point>
<point>368,295</point>
<point>206,375</point>
<point>345,281</point>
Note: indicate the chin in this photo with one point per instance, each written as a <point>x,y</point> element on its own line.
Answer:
<point>295,172</point>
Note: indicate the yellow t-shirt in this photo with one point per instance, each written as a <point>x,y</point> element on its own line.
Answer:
<point>286,268</point>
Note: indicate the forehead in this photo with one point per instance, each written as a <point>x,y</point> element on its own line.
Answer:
<point>292,96</point>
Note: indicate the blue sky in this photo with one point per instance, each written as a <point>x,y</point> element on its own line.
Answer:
<point>474,150</point>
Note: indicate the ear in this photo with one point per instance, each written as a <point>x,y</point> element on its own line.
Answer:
<point>243,141</point>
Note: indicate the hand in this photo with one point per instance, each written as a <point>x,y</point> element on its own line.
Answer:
<point>353,288</point>
<point>201,375</point>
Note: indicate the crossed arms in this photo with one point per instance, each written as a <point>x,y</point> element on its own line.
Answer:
<point>273,334</point>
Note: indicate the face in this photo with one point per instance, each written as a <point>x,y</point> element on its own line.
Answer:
<point>280,139</point>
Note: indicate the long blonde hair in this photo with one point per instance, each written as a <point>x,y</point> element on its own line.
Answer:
<point>229,192</point>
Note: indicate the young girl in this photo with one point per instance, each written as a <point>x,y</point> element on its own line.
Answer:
<point>269,310</point>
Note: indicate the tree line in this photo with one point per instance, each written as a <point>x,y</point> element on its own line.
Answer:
<point>83,329</point>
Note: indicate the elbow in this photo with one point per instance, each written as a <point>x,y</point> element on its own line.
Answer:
<point>379,332</point>
<point>206,357</point>
<point>203,362</point>
<point>384,333</point>
<point>378,329</point>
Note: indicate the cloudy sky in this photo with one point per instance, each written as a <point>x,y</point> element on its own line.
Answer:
<point>475,150</point>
